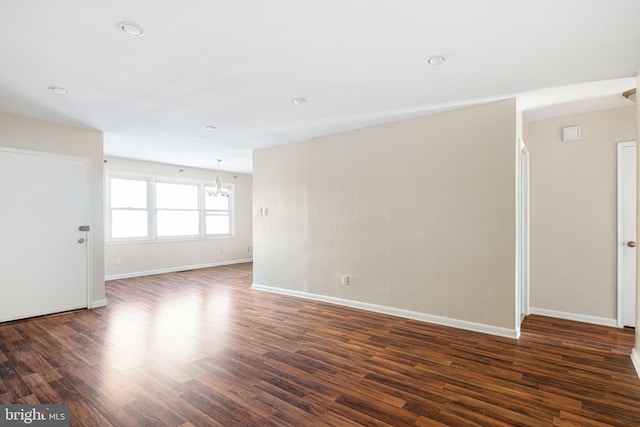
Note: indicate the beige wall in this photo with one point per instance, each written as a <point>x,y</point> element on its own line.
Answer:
<point>173,255</point>
<point>419,213</point>
<point>573,212</point>
<point>30,134</point>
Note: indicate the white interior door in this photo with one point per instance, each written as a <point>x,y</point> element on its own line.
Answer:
<point>627,234</point>
<point>43,254</point>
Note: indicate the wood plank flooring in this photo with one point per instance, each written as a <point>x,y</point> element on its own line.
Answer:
<point>201,348</point>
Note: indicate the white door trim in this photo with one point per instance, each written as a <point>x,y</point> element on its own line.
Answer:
<point>619,232</point>
<point>87,162</point>
<point>522,234</point>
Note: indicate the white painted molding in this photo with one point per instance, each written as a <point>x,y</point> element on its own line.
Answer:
<point>174,269</point>
<point>430,318</point>
<point>635,358</point>
<point>98,303</point>
<point>619,230</point>
<point>603,321</point>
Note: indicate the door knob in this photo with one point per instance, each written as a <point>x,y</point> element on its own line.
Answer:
<point>81,240</point>
<point>632,244</point>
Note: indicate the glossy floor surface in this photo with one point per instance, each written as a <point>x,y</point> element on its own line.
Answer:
<point>201,348</point>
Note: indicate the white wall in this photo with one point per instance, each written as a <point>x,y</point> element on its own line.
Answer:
<point>31,134</point>
<point>174,255</point>
<point>573,213</point>
<point>419,213</point>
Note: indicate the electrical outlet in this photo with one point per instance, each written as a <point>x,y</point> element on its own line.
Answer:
<point>249,249</point>
<point>118,261</point>
<point>345,279</point>
<point>218,251</point>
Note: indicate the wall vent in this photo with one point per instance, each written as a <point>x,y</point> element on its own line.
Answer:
<point>571,133</point>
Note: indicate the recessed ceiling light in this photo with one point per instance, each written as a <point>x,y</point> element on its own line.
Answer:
<point>298,101</point>
<point>209,127</point>
<point>58,90</point>
<point>131,28</point>
<point>436,60</point>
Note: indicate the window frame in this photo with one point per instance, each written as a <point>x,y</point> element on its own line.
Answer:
<point>157,210</point>
<point>109,210</point>
<point>230,210</point>
<point>152,210</point>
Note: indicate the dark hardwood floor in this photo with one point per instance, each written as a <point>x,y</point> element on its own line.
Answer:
<point>201,348</point>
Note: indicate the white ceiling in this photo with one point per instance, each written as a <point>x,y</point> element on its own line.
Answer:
<point>237,65</point>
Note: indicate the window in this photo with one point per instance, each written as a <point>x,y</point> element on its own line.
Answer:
<point>129,208</point>
<point>217,214</point>
<point>150,208</point>
<point>177,209</point>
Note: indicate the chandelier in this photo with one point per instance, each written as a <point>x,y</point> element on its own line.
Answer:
<point>218,188</point>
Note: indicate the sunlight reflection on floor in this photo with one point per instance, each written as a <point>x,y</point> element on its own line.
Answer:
<point>169,332</point>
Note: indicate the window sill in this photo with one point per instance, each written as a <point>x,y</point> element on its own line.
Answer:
<point>166,240</point>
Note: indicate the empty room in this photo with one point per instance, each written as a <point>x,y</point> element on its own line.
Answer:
<point>331,213</point>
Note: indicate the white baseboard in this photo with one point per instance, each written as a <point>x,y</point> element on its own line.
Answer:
<point>98,303</point>
<point>574,316</point>
<point>430,318</point>
<point>635,358</point>
<point>174,269</point>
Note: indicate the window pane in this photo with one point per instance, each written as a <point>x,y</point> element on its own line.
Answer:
<point>128,224</point>
<point>218,224</point>
<point>176,196</point>
<point>219,203</point>
<point>177,223</point>
<point>128,193</point>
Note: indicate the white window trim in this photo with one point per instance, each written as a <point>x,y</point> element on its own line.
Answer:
<point>156,210</point>
<point>232,210</point>
<point>152,211</point>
